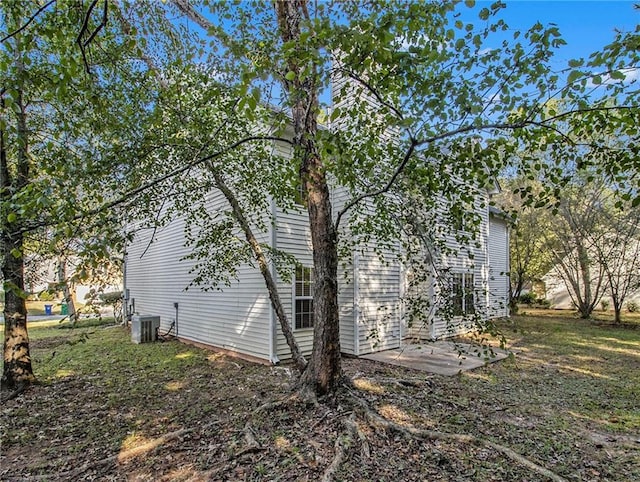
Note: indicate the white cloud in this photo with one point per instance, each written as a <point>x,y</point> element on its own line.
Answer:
<point>631,74</point>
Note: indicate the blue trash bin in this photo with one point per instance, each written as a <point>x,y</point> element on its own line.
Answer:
<point>47,309</point>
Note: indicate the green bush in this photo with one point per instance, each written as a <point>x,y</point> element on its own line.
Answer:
<point>632,307</point>
<point>543,302</point>
<point>46,296</point>
<point>111,298</point>
<point>527,299</point>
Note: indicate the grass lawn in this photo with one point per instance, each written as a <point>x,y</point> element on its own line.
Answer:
<point>568,400</point>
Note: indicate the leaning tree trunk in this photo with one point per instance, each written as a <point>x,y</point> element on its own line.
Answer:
<point>17,361</point>
<point>324,371</point>
<point>272,288</point>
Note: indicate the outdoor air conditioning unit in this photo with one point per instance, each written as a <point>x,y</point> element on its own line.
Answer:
<point>144,329</point>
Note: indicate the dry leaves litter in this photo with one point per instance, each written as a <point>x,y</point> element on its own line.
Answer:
<point>565,407</point>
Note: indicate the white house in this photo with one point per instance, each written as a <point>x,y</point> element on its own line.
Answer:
<point>372,293</point>
<point>561,295</point>
<point>239,318</point>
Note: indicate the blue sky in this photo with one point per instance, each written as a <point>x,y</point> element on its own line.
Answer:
<point>585,25</point>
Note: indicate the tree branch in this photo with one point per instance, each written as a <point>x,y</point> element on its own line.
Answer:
<point>134,192</point>
<point>386,188</point>
<point>28,22</point>
<point>185,7</point>
<point>545,124</point>
<point>375,93</point>
<point>85,26</point>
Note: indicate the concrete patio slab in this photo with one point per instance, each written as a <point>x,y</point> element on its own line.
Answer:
<point>439,357</point>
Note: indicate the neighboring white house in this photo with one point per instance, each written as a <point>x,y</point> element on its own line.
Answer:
<point>559,297</point>
<point>239,318</point>
<point>43,275</point>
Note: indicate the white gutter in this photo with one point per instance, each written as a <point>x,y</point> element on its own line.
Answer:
<point>356,303</point>
<point>273,322</point>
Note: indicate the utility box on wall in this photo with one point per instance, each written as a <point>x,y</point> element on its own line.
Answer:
<point>144,329</point>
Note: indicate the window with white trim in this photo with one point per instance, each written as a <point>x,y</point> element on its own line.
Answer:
<point>462,294</point>
<point>303,298</point>
<point>301,192</point>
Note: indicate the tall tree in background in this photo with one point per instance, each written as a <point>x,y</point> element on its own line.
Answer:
<point>570,244</point>
<point>616,247</point>
<point>64,146</point>
<point>529,260</point>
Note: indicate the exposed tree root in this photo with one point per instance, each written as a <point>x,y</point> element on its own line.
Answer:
<point>121,457</point>
<point>342,444</point>
<point>365,449</point>
<point>13,394</point>
<point>411,431</point>
<point>277,404</point>
<point>249,438</point>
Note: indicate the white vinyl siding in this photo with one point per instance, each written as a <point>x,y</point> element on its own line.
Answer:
<point>346,281</point>
<point>498,267</point>
<point>378,303</point>
<point>460,262</point>
<point>292,236</point>
<point>235,318</point>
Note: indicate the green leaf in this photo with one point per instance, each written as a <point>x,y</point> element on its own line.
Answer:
<point>618,75</point>
<point>291,75</point>
<point>11,218</point>
<point>470,3</point>
<point>484,14</point>
<point>575,63</point>
<point>573,76</point>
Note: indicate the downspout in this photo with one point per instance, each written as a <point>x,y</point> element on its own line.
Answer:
<point>175,305</point>
<point>273,322</point>
<point>125,292</point>
<point>356,303</point>
<point>434,302</point>
<point>402,290</point>
<point>508,276</point>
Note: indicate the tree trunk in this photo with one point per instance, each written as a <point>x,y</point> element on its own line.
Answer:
<point>324,371</point>
<point>66,290</point>
<point>585,307</point>
<point>617,309</point>
<point>17,361</point>
<point>272,288</point>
